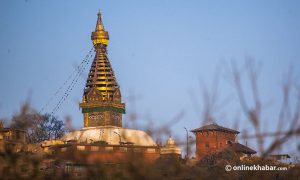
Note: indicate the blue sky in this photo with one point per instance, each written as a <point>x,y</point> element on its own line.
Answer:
<point>159,49</point>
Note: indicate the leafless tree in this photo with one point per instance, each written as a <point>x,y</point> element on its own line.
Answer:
<point>38,127</point>
<point>253,112</point>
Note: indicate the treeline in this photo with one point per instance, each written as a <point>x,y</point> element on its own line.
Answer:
<point>39,127</point>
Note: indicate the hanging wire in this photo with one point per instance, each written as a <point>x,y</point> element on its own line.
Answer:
<point>73,83</point>
<point>76,71</point>
<point>70,88</point>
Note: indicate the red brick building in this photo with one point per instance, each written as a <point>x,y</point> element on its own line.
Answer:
<point>212,138</point>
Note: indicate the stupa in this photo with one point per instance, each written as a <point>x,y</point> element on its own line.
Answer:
<point>102,105</point>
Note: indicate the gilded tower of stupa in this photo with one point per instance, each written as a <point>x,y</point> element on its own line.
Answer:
<point>101,103</point>
<point>103,139</point>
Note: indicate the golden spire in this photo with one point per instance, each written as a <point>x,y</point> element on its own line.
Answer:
<point>99,25</point>
<point>101,102</point>
<point>100,36</point>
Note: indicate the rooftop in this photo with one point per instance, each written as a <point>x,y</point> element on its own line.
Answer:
<point>214,127</point>
<point>280,155</point>
<point>237,147</point>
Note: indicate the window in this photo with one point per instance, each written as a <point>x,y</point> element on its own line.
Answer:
<point>206,144</point>
<point>94,148</point>
<point>123,149</point>
<point>80,148</point>
<point>228,142</point>
<point>150,150</point>
<point>18,135</point>
<point>137,150</point>
<point>109,148</point>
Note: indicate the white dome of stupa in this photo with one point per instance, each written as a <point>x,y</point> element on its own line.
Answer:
<point>111,134</point>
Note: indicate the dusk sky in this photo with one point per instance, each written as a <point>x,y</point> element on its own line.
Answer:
<point>160,51</point>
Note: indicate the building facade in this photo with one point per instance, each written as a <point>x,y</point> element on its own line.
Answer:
<point>212,138</point>
<point>12,140</point>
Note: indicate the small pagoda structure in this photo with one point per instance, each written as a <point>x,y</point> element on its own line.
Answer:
<point>213,137</point>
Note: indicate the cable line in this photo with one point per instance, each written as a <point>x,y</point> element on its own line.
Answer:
<point>78,69</point>
<point>73,83</point>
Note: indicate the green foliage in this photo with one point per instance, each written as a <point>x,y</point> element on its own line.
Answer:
<point>48,127</point>
<point>39,127</point>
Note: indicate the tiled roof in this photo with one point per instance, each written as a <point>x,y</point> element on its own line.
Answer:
<point>215,127</point>
<point>241,148</point>
<point>280,155</point>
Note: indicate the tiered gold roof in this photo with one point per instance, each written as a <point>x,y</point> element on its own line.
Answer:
<point>102,96</point>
